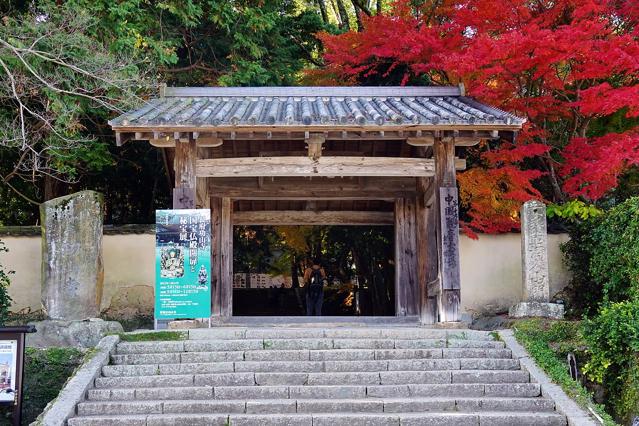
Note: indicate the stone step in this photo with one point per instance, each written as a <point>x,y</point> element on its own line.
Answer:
<point>311,366</point>
<point>491,418</point>
<point>307,355</point>
<point>337,332</point>
<point>311,379</point>
<point>388,405</point>
<point>173,390</point>
<point>293,344</point>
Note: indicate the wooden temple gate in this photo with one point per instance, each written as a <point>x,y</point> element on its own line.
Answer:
<point>326,156</point>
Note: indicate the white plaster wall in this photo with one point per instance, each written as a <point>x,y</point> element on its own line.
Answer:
<point>490,270</point>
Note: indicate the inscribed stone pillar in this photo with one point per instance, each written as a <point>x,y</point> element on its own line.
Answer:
<point>72,270</point>
<point>534,252</point>
<point>534,256</point>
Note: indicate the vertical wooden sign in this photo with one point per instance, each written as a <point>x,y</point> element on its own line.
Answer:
<point>449,217</point>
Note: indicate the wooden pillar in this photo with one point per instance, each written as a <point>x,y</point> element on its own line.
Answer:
<point>427,254</point>
<point>447,213</point>
<point>406,283</point>
<point>202,197</point>
<point>216,270</point>
<point>184,167</point>
<point>226,259</point>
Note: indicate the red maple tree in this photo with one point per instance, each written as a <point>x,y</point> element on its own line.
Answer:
<point>562,64</point>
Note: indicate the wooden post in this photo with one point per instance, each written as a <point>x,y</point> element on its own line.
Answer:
<point>185,180</point>
<point>427,257</point>
<point>406,284</point>
<point>448,230</point>
<point>202,197</point>
<point>216,270</point>
<point>226,259</point>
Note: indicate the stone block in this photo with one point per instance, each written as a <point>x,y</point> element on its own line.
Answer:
<point>163,393</point>
<point>363,344</point>
<point>458,343</point>
<point>487,376</point>
<point>187,420</point>
<point>118,407</point>
<point>522,419</point>
<point>149,347</point>
<point>225,379</point>
<point>517,404</point>
<point>355,378</point>
<point>61,333</point>
<point>342,355</point>
<point>222,345</point>
<point>363,405</point>
<point>279,366</point>
<point>288,344</point>
<point>139,359</point>
<point>355,366</point>
<point>270,420</point>
<point>408,353</point>
<point>275,379</point>
<point>447,390</point>
<point>355,420</point>
<point>522,390</point>
<point>72,268</point>
<point>137,420</point>
<point>489,364</point>
<point>388,391</point>
<point>476,353</point>
<point>201,407</point>
<point>440,419</point>
<point>420,344</point>
<point>271,407</point>
<point>143,381</point>
<point>418,377</point>
<point>222,356</point>
<point>327,392</point>
<point>537,309</point>
<point>423,364</point>
<point>286,355</point>
<point>250,392</point>
<point>196,368</point>
<point>129,370</point>
<point>418,405</point>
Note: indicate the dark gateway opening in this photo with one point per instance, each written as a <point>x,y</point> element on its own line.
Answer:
<point>269,264</point>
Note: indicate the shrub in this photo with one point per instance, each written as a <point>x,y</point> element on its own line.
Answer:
<point>615,256</point>
<point>583,294</point>
<point>5,299</point>
<point>613,342</point>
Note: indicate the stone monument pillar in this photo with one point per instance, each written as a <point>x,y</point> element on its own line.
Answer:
<point>534,256</point>
<point>72,271</point>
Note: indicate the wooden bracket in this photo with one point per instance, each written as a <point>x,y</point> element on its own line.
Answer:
<point>315,142</point>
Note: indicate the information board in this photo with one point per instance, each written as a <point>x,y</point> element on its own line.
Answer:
<point>8,360</point>
<point>183,264</point>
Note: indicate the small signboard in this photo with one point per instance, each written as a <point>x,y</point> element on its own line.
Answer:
<point>8,364</point>
<point>183,264</point>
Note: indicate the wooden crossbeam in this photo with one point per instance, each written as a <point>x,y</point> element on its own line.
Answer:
<point>303,217</point>
<point>324,166</point>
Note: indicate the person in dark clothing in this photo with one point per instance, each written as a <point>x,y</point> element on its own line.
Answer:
<point>314,277</point>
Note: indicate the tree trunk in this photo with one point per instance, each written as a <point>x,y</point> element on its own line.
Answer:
<point>51,187</point>
<point>379,7</point>
<point>322,8</point>
<point>343,15</point>
<point>358,16</point>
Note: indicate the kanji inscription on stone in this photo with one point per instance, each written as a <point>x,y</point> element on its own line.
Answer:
<point>534,252</point>
<point>449,216</point>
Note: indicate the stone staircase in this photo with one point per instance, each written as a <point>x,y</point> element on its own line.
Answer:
<point>317,376</point>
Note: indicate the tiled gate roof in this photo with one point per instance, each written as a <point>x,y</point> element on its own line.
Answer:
<point>342,107</point>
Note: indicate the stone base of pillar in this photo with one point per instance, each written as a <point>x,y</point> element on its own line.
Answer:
<point>537,309</point>
<point>81,333</point>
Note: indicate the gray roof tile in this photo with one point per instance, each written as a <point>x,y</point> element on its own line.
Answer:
<point>314,106</point>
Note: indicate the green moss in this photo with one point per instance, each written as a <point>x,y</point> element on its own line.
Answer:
<point>154,336</point>
<point>46,372</point>
<point>548,342</point>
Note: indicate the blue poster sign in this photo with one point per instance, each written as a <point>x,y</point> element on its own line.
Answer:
<point>183,264</point>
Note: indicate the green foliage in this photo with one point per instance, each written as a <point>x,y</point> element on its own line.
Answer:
<point>615,252</point>
<point>155,336</point>
<point>46,372</point>
<point>613,341</point>
<point>573,210</point>
<point>548,342</point>
<point>583,294</point>
<point>5,299</point>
